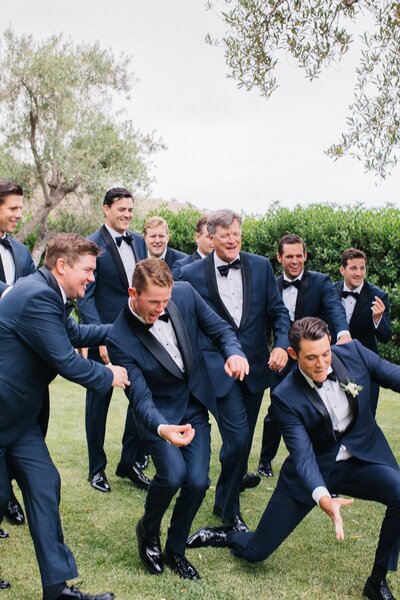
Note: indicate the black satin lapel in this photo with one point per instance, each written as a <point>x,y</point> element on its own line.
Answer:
<point>211,281</point>
<point>246,283</point>
<point>17,264</point>
<point>361,302</point>
<point>316,401</point>
<point>279,280</point>
<point>181,336</point>
<point>343,376</point>
<point>301,295</point>
<point>135,249</point>
<point>2,274</point>
<point>112,248</point>
<point>152,344</point>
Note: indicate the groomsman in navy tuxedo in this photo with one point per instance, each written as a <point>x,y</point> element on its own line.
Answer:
<point>156,337</point>
<point>335,447</point>
<point>156,237</point>
<point>104,299</point>
<point>305,294</point>
<point>37,343</point>
<point>204,247</point>
<point>241,288</point>
<point>366,306</point>
<point>15,262</point>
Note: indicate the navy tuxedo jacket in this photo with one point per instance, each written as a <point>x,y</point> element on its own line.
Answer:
<point>159,391</point>
<point>23,262</point>
<point>107,295</point>
<point>263,309</point>
<point>307,428</point>
<point>361,325</point>
<point>317,298</point>
<point>177,266</point>
<point>172,256</point>
<point>37,340</point>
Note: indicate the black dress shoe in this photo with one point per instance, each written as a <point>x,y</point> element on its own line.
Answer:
<point>180,565</point>
<point>250,480</point>
<point>134,474</point>
<point>14,513</point>
<point>69,593</point>
<point>378,590</point>
<point>3,534</point>
<point>149,550</point>
<point>238,523</point>
<point>210,536</point>
<point>143,463</point>
<point>4,585</point>
<point>99,482</point>
<point>265,469</point>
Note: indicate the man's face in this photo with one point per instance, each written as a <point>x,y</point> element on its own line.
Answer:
<point>151,302</point>
<point>119,214</point>
<point>354,272</point>
<point>314,358</point>
<point>156,239</point>
<point>10,213</point>
<point>227,241</point>
<point>292,259</point>
<point>203,241</point>
<point>75,279</point>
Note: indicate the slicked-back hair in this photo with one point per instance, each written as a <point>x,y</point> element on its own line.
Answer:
<point>114,194</point>
<point>222,218</point>
<point>290,238</point>
<point>201,223</point>
<point>350,254</point>
<point>151,271</point>
<point>308,328</point>
<point>155,221</point>
<point>8,188</point>
<point>70,247</point>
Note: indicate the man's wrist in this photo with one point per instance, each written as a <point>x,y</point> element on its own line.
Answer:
<point>319,492</point>
<point>158,432</point>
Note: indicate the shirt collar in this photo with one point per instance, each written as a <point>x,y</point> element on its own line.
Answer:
<point>286,278</point>
<point>114,233</point>
<point>309,380</point>
<point>219,263</point>
<point>162,257</point>
<point>357,289</point>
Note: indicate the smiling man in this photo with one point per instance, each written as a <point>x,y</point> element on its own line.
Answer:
<point>104,299</point>
<point>335,447</point>
<point>156,236</point>
<point>37,343</point>
<point>156,337</point>
<point>366,306</point>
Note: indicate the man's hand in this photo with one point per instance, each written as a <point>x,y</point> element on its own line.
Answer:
<point>83,352</point>
<point>332,507</point>
<point>104,354</point>
<point>237,366</point>
<point>346,337</point>
<point>378,308</point>
<point>278,359</point>
<point>177,435</point>
<point>120,376</point>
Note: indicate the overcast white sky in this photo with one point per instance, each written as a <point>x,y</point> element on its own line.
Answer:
<point>226,147</point>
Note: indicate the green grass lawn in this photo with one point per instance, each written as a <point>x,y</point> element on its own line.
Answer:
<point>99,528</point>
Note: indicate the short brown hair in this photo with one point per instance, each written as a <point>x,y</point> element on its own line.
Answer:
<point>155,222</point>
<point>350,254</point>
<point>290,238</point>
<point>222,218</point>
<point>308,328</point>
<point>151,270</point>
<point>114,194</point>
<point>201,223</point>
<point>8,188</point>
<point>70,246</point>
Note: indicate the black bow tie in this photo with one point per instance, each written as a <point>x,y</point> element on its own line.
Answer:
<point>5,242</point>
<point>164,317</point>
<point>224,269</point>
<point>126,238</point>
<point>331,376</point>
<point>355,295</point>
<point>296,283</point>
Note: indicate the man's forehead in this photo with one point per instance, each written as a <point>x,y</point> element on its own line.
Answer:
<point>315,346</point>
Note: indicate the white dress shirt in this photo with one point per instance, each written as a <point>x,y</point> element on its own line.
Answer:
<point>338,407</point>
<point>126,253</point>
<point>230,289</point>
<point>289,295</point>
<point>8,263</point>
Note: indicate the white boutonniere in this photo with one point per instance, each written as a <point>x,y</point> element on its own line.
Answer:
<point>351,388</point>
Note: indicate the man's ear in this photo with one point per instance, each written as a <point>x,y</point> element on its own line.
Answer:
<point>292,353</point>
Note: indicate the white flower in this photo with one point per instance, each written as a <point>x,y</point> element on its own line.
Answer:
<point>351,388</point>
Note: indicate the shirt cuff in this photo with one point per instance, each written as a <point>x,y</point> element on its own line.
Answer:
<point>376,325</point>
<point>158,432</point>
<point>319,492</point>
<point>343,332</point>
